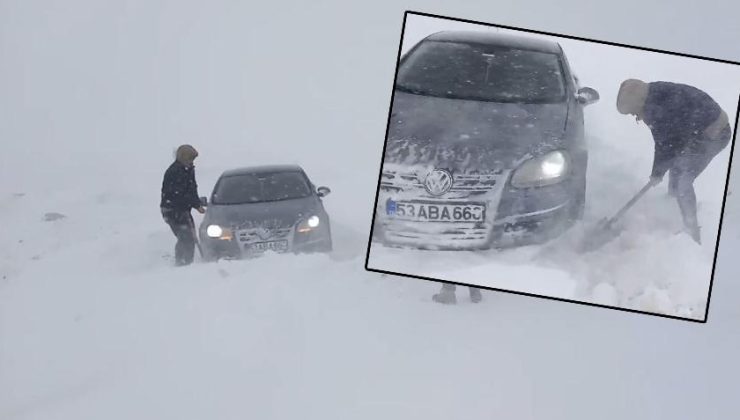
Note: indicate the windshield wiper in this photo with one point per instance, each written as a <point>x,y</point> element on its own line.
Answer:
<point>411,90</point>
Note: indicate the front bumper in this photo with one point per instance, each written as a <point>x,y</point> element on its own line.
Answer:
<point>241,245</point>
<point>514,217</point>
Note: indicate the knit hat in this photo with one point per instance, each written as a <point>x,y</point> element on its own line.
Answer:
<point>186,154</point>
<point>632,96</point>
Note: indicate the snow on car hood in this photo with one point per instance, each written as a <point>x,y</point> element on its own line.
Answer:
<point>470,135</point>
<point>275,214</point>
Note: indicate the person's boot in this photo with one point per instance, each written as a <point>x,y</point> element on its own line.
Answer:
<point>695,232</point>
<point>446,295</point>
<point>475,295</point>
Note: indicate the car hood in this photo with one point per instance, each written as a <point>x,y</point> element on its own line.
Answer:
<point>277,214</point>
<point>470,135</point>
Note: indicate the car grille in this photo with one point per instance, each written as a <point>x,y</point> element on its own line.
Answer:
<point>464,184</point>
<point>407,183</point>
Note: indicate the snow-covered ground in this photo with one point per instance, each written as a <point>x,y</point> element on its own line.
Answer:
<point>639,270</point>
<point>95,324</point>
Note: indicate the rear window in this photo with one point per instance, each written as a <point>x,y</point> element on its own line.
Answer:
<point>482,72</point>
<point>262,187</point>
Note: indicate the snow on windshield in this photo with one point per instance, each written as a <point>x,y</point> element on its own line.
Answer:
<point>256,188</point>
<point>471,71</point>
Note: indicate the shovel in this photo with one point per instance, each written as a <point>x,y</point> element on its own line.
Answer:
<point>604,231</point>
<point>195,236</point>
<point>204,204</point>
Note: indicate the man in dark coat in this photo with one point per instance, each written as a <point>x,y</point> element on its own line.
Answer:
<point>179,196</point>
<point>689,129</point>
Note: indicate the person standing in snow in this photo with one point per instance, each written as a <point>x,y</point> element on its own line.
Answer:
<point>447,295</point>
<point>179,197</point>
<point>689,129</point>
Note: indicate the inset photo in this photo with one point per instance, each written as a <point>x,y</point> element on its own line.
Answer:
<point>554,166</point>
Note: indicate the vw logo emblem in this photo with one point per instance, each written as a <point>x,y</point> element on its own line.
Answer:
<point>438,182</point>
<point>263,233</point>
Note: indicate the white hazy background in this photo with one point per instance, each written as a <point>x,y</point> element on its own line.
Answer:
<point>94,96</point>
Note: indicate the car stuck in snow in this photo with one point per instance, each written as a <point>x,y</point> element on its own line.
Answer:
<point>485,144</point>
<point>265,208</point>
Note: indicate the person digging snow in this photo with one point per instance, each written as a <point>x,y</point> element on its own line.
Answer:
<point>447,294</point>
<point>179,197</point>
<point>689,129</point>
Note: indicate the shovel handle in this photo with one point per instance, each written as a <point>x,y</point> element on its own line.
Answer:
<point>630,203</point>
<point>195,235</point>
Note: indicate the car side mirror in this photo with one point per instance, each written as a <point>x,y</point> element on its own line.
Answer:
<point>587,96</point>
<point>323,191</point>
<point>203,201</point>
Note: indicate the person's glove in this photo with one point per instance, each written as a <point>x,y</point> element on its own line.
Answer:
<point>655,180</point>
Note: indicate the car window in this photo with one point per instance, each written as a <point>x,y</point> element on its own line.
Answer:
<point>485,73</point>
<point>262,187</point>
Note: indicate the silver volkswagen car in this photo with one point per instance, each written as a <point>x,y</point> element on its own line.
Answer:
<point>485,144</point>
<point>265,208</point>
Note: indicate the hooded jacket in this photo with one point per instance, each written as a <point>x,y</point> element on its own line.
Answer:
<point>179,189</point>
<point>680,117</point>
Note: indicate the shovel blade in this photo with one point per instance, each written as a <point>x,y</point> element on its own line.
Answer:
<point>603,233</point>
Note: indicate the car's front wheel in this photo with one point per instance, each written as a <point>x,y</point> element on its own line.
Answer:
<point>207,254</point>
<point>328,246</point>
<point>578,207</point>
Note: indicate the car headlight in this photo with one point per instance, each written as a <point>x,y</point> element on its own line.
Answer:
<point>217,232</point>
<point>313,221</point>
<point>309,224</point>
<point>544,170</point>
<point>214,231</point>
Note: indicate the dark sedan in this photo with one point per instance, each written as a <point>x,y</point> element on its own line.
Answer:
<point>485,145</point>
<point>265,208</point>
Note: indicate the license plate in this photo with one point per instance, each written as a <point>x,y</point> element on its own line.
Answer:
<point>277,246</point>
<point>435,212</point>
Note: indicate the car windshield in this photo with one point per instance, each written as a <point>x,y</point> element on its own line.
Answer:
<point>483,73</point>
<point>261,187</point>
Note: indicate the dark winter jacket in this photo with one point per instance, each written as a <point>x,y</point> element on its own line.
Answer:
<point>677,115</point>
<point>179,189</point>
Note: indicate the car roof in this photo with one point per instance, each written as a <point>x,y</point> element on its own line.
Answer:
<point>498,39</point>
<point>261,169</point>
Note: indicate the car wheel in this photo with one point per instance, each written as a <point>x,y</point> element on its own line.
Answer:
<point>208,258</point>
<point>328,244</point>
<point>580,204</point>
<point>578,208</point>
